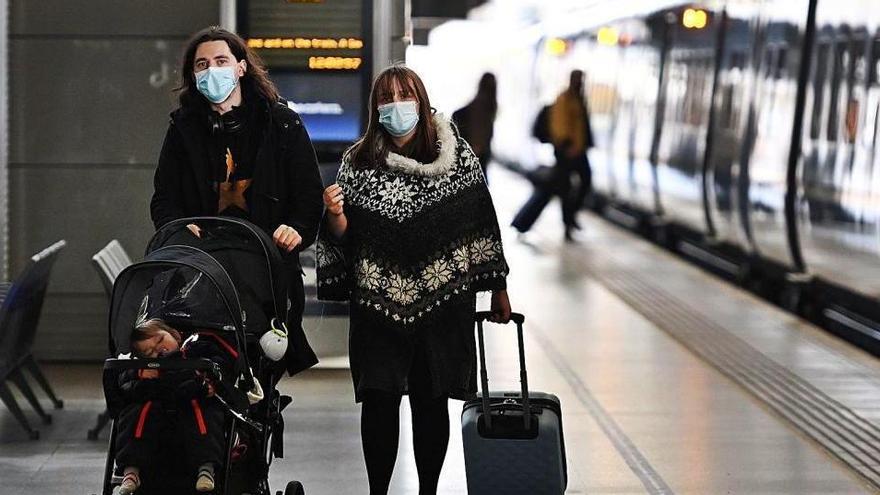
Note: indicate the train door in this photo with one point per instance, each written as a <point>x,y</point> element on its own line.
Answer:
<point>851,168</point>
<point>775,103</point>
<point>609,99</point>
<point>871,214</point>
<point>731,109</point>
<point>639,178</point>
<point>691,61</point>
<point>624,76</point>
<point>836,211</point>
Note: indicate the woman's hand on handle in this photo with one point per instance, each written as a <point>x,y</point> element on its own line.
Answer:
<point>500,307</point>
<point>286,238</point>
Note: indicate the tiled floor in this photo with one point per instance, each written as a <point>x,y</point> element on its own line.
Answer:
<point>643,411</point>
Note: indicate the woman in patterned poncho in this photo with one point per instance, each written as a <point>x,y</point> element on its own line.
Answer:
<point>417,237</point>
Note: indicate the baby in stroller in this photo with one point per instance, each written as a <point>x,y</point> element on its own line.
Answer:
<point>182,398</point>
<point>205,324</point>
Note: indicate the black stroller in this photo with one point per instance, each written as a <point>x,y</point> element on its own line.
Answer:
<point>232,281</point>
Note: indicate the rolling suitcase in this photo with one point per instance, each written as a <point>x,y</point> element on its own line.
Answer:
<point>518,447</point>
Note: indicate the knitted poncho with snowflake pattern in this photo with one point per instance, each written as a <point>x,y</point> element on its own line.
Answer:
<point>421,236</point>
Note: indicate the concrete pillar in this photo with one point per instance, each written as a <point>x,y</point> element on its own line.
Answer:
<point>228,15</point>
<point>392,32</point>
<point>89,91</point>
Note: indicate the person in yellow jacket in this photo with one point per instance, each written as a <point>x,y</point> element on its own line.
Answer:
<point>571,136</point>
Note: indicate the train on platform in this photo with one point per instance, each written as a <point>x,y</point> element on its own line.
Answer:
<point>743,134</point>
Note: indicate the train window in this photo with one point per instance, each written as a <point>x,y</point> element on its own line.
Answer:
<point>821,70</point>
<point>852,120</point>
<point>874,68</point>
<point>781,63</point>
<point>876,128</point>
<point>733,75</point>
<point>855,87</point>
<point>838,72</point>
<point>768,62</point>
<point>726,106</point>
<point>858,70</point>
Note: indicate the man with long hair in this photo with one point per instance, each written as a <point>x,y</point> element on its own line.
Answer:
<point>234,148</point>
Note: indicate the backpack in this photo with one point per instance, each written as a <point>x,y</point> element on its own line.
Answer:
<point>541,127</point>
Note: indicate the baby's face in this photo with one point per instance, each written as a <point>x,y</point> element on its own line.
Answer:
<point>159,344</point>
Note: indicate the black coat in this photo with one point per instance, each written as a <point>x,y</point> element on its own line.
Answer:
<point>286,189</point>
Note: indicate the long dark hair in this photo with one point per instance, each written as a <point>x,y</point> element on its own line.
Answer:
<point>255,79</point>
<point>372,149</point>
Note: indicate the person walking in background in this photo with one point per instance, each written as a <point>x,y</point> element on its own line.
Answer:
<point>569,130</point>
<point>234,148</point>
<point>476,120</point>
<point>409,237</point>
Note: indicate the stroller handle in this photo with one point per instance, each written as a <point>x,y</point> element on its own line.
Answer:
<point>200,364</point>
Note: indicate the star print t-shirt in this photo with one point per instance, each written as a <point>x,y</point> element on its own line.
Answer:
<point>235,152</point>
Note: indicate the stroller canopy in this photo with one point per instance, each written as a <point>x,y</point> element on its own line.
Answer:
<point>243,249</point>
<point>232,278</point>
<point>179,284</point>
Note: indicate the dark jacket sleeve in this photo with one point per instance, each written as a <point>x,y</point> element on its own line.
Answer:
<point>305,189</point>
<point>165,205</point>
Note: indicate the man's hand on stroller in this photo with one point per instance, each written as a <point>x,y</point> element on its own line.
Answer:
<point>195,230</point>
<point>286,237</point>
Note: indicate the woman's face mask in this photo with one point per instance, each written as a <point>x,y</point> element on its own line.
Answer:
<point>399,118</point>
<point>216,83</point>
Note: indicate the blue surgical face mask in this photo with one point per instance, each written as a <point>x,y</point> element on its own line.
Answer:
<point>216,83</point>
<point>399,117</point>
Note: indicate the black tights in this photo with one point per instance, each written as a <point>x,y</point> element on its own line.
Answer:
<point>380,431</point>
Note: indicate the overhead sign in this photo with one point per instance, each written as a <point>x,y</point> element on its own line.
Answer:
<point>306,34</point>
<point>316,52</point>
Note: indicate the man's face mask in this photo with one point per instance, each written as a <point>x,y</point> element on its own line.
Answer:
<point>216,83</point>
<point>399,117</point>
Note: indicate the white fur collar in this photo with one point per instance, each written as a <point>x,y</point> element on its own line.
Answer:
<point>444,162</point>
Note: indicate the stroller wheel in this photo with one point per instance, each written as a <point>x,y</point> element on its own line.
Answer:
<point>294,488</point>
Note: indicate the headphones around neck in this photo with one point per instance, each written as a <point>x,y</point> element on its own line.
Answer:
<point>226,123</point>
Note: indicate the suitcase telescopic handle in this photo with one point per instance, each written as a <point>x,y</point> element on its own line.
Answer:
<point>519,319</point>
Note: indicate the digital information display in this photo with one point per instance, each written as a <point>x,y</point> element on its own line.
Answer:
<point>329,107</point>
<point>316,54</point>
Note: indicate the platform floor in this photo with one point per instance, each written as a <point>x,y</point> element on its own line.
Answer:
<point>671,382</point>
